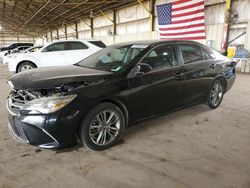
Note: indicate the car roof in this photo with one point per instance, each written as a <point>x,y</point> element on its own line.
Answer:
<point>21,43</point>
<point>21,47</point>
<point>153,42</point>
<point>92,40</point>
<point>73,40</point>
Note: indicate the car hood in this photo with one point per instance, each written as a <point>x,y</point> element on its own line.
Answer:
<point>51,77</point>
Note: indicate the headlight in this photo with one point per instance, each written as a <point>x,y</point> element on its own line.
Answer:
<point>11,84</point>
<point>47,105</point>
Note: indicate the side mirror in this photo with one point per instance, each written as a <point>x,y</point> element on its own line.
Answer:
<point>232,64</point>
<point>139,70</point>
<point>145,67</point>
<point>142,68</point>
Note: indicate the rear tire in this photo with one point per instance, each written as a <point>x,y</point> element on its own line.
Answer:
<point>102,127</point>
<point>216,94</point>
<point>25,66</point>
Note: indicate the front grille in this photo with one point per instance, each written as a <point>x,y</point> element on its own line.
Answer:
<point>14,104</point>
<point>17,131</point>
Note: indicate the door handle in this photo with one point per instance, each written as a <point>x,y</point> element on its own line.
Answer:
<point>179,75</point>
<point>212,66</point>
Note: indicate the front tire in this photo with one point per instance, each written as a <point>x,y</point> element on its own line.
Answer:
<point>216,94</point>
<point>102,127</point>
<point>25,66</point>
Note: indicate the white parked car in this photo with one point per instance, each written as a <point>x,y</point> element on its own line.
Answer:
<point>13,53</point>
<point>2,54</point>
<point>11,57</point>
<point>19,49</point>
<point>57,53</point>
<point>6,50</point>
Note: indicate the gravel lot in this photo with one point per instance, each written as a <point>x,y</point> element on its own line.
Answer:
<point>195,147</point>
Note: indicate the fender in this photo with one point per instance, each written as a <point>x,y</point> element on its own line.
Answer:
<point>223,79</point>
<point>32,57</point>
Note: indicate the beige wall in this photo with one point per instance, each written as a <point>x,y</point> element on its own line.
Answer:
<point>133,24</point>
<point>7,38</point>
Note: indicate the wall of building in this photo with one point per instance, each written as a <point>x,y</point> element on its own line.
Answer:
<point>241,23</point>
<point>7,38</point>
<point>133,23</point>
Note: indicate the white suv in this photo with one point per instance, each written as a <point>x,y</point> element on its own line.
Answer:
<point>57,53</point>
<point>12,56</point>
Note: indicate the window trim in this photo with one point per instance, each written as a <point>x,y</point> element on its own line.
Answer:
<point>207,49</point>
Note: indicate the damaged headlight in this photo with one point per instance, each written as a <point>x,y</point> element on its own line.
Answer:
<point>47,105</point>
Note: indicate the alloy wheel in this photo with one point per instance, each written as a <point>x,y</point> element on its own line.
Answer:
<point>216,94</point>
<point>105,127</point>
<point>26,67</point>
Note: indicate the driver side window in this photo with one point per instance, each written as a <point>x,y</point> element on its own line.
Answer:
<point>161,57</point>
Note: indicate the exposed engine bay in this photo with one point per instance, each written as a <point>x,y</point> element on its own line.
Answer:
<point>46,88</point>
<point>23,96</point>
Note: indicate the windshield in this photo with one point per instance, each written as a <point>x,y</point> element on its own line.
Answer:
<point>32,49</point>
<point>112,58</point>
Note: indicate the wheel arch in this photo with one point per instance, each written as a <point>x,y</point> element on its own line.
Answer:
<point>116,102</point>
<point>120,104</point>
<point>223,80</point>
<point>28,61</point>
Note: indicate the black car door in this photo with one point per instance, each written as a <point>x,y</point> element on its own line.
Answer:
<point>198,71</point>
<point>155,85</point>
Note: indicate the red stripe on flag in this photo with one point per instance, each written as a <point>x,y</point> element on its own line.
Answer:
<point>180,2</point>
<point>189,20</point>
<point>189,6</point>
<point>182,27</point>
<point>183,33</point>
<point>186,38</point>
<point>188,13</point>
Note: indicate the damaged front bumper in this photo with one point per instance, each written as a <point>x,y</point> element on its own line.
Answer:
<point>43,130</point>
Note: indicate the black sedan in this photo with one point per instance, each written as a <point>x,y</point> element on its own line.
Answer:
<point>96,99</point>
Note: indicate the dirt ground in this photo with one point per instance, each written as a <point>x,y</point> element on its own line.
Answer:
<point>195,147</point>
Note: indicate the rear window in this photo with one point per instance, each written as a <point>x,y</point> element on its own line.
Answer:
<point>3,49</point>
<point>15,45</point>
<point>59,46</point>
<point>75,46</point>
<point>98,43</point>
<point>207,54</point>
<point>28,44</point>
<point>191,53</point>
<point>23,47</point>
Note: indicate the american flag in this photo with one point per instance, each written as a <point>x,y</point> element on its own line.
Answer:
<point>182,20</point>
